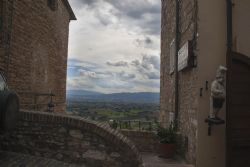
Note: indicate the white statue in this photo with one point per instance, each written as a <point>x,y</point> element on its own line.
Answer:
<point>218,92</point>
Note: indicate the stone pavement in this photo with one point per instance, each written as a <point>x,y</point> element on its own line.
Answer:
<point>8,159</point>
<point>152,160</point>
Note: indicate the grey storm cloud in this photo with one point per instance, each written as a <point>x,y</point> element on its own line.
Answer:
<point>145,42</point>
<point>148,62</point>
<point>153,75</point>
<point>152,60</point>
<point>118,64</point>
<point>81,3</point>
<point>135,9</point>
<point>77,83</point>
<point>148,40</point>
<point>149,66</point>
<point>82,64</point>
<point>89,2</point>
<point>152,26</point>
<point>135,63</point>
<point>125,76</point>
<point>103,19</point>
<point>143,13</point>
<point>115,67</point>
<point>85,73</point>
<point>146,14</point>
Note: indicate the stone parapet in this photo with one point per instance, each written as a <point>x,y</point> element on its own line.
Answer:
<point>70,139</point>
<point>145,141</point>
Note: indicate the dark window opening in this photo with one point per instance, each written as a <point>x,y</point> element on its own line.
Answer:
<point>53,4</point>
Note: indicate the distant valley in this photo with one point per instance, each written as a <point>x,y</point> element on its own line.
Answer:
<point>91,96</point>
<point>143,106</point>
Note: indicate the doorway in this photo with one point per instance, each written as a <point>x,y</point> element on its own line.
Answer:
<point>238,114</point>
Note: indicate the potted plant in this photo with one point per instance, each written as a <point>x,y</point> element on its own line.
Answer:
<point>167,138</point>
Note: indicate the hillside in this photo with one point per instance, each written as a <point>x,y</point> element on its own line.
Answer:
<point>138,97</point>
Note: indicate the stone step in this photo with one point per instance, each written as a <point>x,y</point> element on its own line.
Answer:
<point>10,159</point>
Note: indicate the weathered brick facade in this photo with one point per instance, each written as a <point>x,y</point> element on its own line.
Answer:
<point>33,52</point>
<point>188,87</point>
<point>204,23</point>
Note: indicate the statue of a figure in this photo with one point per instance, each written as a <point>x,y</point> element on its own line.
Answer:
<point>218,92</point>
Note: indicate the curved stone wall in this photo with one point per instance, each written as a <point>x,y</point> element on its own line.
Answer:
<point>70,139</point>
<point>145,141</point>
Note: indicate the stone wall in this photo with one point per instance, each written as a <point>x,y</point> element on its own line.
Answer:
<point>188,87</point>
<point>70,139</point>
<point>144,141</point>
<point>35,61</point>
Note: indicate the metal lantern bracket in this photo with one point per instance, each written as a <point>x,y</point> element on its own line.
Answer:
<point>211,122</point>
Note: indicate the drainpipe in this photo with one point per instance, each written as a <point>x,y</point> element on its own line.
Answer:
<point>177,41</point>
<point>229,64</point>
<point>229,25</point>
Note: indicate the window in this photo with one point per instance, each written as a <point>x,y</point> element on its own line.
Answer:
<point>53,4</point>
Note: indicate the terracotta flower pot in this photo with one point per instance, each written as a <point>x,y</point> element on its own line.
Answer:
<point>167,150</point>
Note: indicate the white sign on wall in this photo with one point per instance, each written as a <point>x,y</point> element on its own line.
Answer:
<point>184,56</point>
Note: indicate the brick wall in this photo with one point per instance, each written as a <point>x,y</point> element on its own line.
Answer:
<point>38,51</point>
<point>188,87</point>
<point>70,139</point>
<point>5,15</point>
<point>1,34</point>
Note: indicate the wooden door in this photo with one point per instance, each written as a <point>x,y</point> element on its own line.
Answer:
<point>238,113</point>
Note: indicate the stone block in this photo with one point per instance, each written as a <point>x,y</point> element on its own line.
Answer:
<point>76,134</point>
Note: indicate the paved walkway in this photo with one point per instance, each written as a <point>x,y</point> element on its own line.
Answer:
<point>152,160</point>
<point>8,159</point>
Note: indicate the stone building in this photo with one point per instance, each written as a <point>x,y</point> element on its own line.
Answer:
<point>33,57</point>
<point>33,50</point>
<point>197,37</point>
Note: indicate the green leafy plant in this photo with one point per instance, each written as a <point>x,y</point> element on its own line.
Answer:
<point>167,135</point>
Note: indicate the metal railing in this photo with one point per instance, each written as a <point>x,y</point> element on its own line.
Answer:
<point>137,125</point>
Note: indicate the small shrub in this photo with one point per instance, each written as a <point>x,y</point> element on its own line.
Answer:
<point>167,135</point>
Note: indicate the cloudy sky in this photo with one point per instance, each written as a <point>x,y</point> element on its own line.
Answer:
<point>114,46</point>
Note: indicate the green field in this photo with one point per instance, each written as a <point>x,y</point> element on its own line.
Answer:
<point>116,115</point>
<point>105,111</point>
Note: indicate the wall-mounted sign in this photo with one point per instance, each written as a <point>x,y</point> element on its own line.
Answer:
<point>184,56</point>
